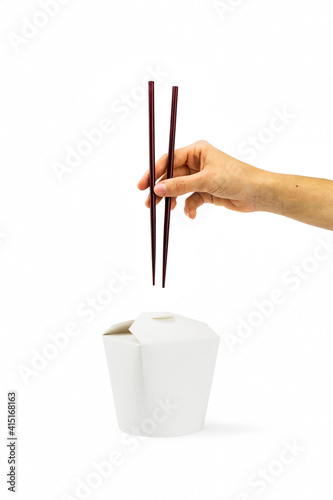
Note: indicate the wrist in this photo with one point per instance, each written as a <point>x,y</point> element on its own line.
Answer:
<point>263,193</point>
<point>268,192</point>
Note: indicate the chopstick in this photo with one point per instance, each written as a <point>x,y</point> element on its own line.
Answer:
<point>169,175</point>
<point>152,177</point>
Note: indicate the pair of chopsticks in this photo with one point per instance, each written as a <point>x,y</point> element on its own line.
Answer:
<point>152,180</point>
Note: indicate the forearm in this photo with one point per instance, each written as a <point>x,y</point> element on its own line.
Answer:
<point>306,199</point>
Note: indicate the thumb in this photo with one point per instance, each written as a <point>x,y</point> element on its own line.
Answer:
<point>181,185</point>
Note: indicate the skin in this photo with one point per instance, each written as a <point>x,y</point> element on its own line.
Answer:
<point>214,177</point>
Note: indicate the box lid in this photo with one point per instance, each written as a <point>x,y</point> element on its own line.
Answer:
<point>152,328</point>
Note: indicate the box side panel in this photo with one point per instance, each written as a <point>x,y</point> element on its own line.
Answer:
<point>125,370</point>
<point>180,376</point>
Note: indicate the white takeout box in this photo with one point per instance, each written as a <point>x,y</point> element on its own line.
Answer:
<point>161,368</point>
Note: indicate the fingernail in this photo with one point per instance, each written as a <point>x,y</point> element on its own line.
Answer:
<point>160,189</point>
<point>186,210</point>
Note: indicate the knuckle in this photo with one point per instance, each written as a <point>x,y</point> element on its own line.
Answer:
<point>189,202</point>
<point>162,160</point>
<point>202,143</point>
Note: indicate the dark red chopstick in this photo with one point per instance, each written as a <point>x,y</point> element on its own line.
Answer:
<point>152,176</point>
<point>169,175</point>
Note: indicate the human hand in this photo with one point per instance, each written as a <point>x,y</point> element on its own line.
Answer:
<point>211,176</point>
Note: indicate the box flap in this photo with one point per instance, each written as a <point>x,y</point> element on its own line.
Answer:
<point>151,328</point>
<point>119,328</point>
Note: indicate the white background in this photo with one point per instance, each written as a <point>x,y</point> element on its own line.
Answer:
<point>61,239</point>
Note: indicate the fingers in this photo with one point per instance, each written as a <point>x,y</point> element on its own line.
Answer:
<point>158,199</point>
<point>192,203</point>
<point>181,157</point>
<point>181,185</point>
<point>178,172</point>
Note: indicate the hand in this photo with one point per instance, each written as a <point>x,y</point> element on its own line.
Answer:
<point>212,177</point>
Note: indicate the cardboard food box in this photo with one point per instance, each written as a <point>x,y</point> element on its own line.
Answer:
<point>161,368</point>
